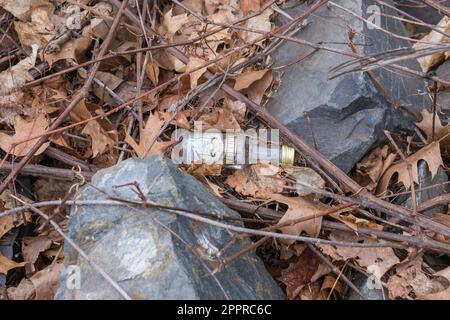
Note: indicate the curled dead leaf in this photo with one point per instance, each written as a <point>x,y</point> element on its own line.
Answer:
<point>23,131</point>
<point>299,207</point>
<point>260,180</point>
<point>430,153</point>
<point>6,264</point>
<point>244,80</point>
<point>147,137</point>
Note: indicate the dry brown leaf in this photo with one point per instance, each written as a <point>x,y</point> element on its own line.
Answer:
<point>355,222</point>
<point>24,291</point>
<point>258,88</point>
<point>410,280</point>
<point>40,30</point>
<point>244,80</point>
<point>441,295</point>
<point>373,166</point>
<point>299,274</point>
<point>434,37</point>
<point>260,180</point>
<point>6,264</point>
<point>33,246</point>
<point>237,108</point>
<point>171,24</point>
<point>17,75</point>
<point>99,138</point>
<point>382,258</point>
<point>73,49</point>
<point>299,207</point>
<point>261,23</point>
<point>193,64</point>
<point>180,120</point>
<point>305,177</point>
<point>9,222</point>
<point>25,130</point>
<point>46,282</point>
<point>426,125</point>
<point>152,71</point>
<point>200,171</point>
<point>430,153</point>
<point>147,135</point>
<point>13,105</point>
<point>329,285</point>
<point>23,9</point>
<point>250,5</point>
<point>222,120</point>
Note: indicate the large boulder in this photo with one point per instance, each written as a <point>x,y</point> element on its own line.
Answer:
<point>348,114</point>
<point>142,250</point>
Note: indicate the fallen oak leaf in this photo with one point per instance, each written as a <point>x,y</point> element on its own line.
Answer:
<point>430,153</point>
<point>99,138</point>
<point>72,50</point>
<point>193,64</point>
<point>250,5</point>
<point>259,180</point>
<point>23,9</point>
<point>23,131</point>
<point>40,30</point>
<point>171,24</point>
<point>375,259</point>
<point>33,246</point>
<point>426,125</point>
<point>17,75</point>
<point>244,80</point>
<point>410,280</point>
<point>148,136</point>
<point>258,88</point>
<point>299,207</point>
<point>299,274</point>
<point>441,295</point>
<point>6,264</point>
<point>46,282</point>
<point>261,23</point>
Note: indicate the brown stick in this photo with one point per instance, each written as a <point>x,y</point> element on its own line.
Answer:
<point>49,172</point>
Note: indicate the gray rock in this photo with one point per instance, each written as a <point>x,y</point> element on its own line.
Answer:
<point>423,12</point>
<point>6,249</point>
<point>136,249</point>
<point>443,97</point>
<point>348,113</point>
<point>429,188</point>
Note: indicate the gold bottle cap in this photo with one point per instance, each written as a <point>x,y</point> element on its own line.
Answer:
<point>287,155</point>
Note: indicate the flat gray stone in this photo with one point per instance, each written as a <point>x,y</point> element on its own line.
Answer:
<point>423,12</point>
<point>149,262</point>
<point>348,113</point>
